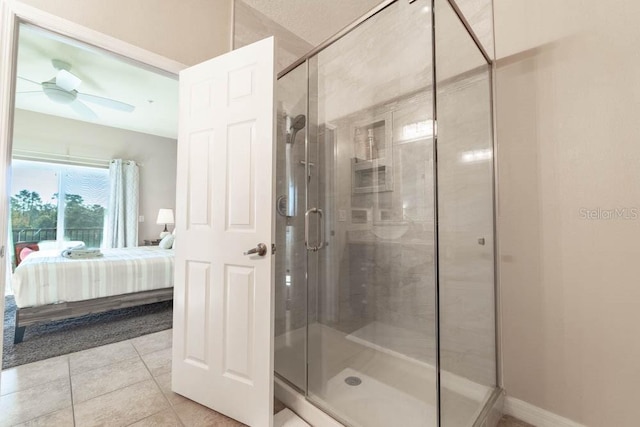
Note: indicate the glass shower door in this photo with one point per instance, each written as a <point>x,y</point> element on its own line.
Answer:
<point>290,262</point>
<point>370,219</point>
<point>465,221</point>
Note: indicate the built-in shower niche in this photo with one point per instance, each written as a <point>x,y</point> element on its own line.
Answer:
<point>391,194</point>
<point>372,164</point>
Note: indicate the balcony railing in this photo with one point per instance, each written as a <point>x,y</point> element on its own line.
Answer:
<point>92,237</point>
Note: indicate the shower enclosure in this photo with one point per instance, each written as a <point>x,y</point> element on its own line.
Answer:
<point>385,296</point>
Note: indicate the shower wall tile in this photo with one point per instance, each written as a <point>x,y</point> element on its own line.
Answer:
<point>388,281</point>
<point>393,282</point>
<point>362,70</point>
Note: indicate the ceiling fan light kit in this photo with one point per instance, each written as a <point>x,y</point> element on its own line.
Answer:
<point>58,94</point>
<point>67,81</point>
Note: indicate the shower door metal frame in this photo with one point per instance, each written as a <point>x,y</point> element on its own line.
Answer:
<point>491,64</point>
<point>436,213</point>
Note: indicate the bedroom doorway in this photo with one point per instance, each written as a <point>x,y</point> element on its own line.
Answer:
<point>235,91</point>
<point>74,107</point>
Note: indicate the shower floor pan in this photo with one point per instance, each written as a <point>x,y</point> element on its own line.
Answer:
<point>374,403</point>
<point>395,388</point>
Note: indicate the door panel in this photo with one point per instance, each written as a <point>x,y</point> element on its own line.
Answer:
<point>223,303</point>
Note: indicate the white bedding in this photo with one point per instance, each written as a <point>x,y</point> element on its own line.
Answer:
<point>46,277</point>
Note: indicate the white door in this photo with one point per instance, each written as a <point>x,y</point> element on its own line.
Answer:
<point>223,302</point>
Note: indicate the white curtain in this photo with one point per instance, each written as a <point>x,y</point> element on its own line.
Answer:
<point>122,229</point>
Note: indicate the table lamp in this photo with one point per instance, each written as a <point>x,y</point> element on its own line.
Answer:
<point>165,216</point>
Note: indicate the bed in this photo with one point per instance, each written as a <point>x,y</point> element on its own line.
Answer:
<point>50,287</point>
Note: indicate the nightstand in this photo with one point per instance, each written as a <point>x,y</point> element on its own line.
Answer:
<point>152,242</point>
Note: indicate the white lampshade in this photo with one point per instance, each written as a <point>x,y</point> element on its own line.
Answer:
<point>165,216</point>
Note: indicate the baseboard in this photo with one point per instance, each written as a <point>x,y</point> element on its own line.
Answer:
<point>534,415</point>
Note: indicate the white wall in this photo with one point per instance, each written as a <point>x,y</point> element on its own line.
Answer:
<point>568,114</point>
<point>157,156</point>
<point>187,31</point>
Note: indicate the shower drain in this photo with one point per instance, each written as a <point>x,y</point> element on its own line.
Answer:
<point>353,381</point>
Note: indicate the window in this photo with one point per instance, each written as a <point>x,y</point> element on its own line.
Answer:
<point>59,204</point>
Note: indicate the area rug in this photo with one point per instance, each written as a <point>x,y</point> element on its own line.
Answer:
<point>80,333</point>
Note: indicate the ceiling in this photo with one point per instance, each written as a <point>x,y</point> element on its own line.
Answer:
<point>154,95</point>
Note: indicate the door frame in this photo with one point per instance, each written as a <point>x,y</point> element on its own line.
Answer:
<point>12,14</point>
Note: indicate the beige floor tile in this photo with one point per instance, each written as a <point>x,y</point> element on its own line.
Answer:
<point>121,407</point>
<point>158,362</point>
<point>153,342</point>
<point>34,402</point>
<point>164,382</point>
<point>33,374</point>
<point>166,418</point>
<point>62,418</point>
<point>89,384</point>
<point>194,415</point>
<point>101,356</point>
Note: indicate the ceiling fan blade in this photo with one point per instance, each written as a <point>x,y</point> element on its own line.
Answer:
<point>24,96</point>
<point>30,81</point>
<point>83,110</point>
<point>107,102</point>
<point>67,81</point>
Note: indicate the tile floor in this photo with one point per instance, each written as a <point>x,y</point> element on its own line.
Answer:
<point>121,384</point>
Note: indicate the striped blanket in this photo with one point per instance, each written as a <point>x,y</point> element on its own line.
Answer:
<point>46,277</point>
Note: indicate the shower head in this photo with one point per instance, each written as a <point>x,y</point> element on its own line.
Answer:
<point>299,122</point>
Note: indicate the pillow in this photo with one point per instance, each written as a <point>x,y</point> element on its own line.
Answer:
<point>167,241</point>
<point>25,252</point>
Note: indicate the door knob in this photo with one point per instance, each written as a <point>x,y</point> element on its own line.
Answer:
<point>261,250</point>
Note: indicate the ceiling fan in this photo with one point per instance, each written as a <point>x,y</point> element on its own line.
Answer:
<point>62,89</point>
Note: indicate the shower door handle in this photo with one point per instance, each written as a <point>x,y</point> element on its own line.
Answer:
<point>321,239</point>
<point>306,230</point>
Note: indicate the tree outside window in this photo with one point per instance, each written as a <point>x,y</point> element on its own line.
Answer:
<point>35,210</point>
